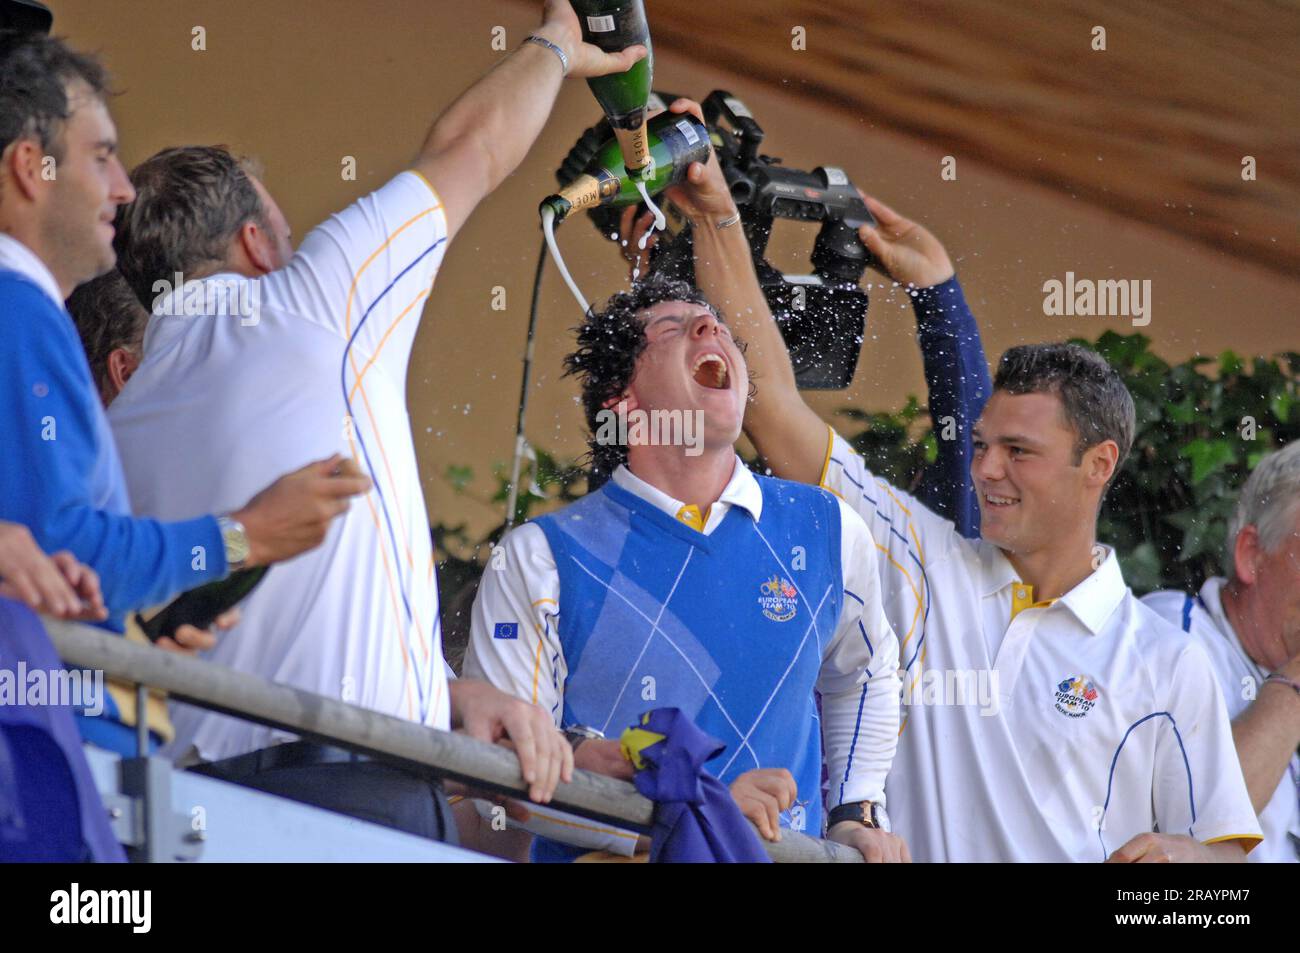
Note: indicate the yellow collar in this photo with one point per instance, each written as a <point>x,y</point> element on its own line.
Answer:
<point>690,515</point>
<point>1022,598</point>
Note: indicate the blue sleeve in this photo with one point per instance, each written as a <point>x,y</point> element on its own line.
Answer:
<point>957,374</point>
<point>51,430</point>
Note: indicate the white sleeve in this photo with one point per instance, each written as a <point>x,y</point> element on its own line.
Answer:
<point>859,681</point>
<point>513,641</point>
<point>366,272</point>
<point>906,536</point>
<point>515,646</point>
<point>1196,770</point>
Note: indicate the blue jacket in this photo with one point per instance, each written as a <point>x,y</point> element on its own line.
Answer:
<point>60,474</point>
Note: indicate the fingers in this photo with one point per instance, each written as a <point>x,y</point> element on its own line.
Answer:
<point>776,782</point>
<point>684,105</point>
<point>85,583</point>
<point>519,729</point>
<point>761,808</point>
<point>193,639</point>
<point>47,588</point>
<point>228,619</point>
<point>1130,851</point>
<point>600,63</point>
<point>885,215</point>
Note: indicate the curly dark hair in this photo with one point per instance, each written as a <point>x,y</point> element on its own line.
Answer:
<point>609,343</point>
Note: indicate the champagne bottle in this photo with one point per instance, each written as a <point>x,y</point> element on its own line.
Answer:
<point>674,141</point>
<point>614,25</point>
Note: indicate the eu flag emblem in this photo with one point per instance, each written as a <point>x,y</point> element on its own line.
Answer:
<point>506,630</point>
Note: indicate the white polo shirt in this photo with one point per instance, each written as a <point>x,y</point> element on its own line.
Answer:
<point>527,586</point>
<point>1054,736</point>
<point>1240,680</point>
<point>276,372</point>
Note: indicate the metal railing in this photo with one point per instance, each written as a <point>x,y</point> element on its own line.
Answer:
<point>327,721</point>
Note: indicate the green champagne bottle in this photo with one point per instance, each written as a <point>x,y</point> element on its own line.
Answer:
<point>614,25</point>
<point>674,141</point>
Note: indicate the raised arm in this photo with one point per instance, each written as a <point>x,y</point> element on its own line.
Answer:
<point>487,131</point>
<point>786,431</point>
<point>956,370</point>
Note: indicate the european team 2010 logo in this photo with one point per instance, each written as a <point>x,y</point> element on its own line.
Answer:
<point>778,599</point>
<point>1075,696</point>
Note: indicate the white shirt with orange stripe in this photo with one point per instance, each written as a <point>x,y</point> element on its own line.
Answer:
<point>1037,731</point>
<point>246,379</point>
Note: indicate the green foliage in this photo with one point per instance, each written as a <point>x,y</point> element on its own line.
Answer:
<point>1202,425</point>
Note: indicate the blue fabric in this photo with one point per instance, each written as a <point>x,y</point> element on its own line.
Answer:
<point>696,820</point>
<point>61,476</point>
<point>957,374</point>
<point>743,617</point>
<point>49,807</point>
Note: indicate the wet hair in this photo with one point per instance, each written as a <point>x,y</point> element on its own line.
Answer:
<point>35,72</point>
<point>1094,400</point>
<point>609,343</point>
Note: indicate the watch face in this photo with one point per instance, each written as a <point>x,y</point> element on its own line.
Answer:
<point>881,818</point>
<point>236,543</point>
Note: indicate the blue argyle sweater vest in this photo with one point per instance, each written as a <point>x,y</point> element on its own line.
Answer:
<point>728,627</point>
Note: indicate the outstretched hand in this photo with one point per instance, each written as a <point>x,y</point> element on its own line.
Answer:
<point>904,251</point>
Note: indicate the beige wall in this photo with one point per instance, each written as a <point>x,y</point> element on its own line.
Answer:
<point>303,83</point>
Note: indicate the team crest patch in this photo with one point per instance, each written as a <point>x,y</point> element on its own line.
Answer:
<point>1075,696</point>
<point>778,599</point>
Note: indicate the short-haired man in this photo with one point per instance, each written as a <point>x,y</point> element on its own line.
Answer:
<point>256,353</point>
<point>1249,623</point>
<point>60,184</point>
<point>687,581</point>
<point>110,320</point>
<point>1049,714</point>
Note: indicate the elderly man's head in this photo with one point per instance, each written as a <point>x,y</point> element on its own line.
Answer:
<point>1263,551</point>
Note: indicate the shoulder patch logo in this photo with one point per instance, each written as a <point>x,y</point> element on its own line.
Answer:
<point>506,630</point>
<point>778,599</point>
<point>1076,696</point>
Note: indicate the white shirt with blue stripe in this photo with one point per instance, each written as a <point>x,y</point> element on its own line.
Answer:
<point>1055,733</point>
<point>1240,679</point>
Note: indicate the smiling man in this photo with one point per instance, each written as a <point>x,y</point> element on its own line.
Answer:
<point>686,581</point>
<point>1106,725</point>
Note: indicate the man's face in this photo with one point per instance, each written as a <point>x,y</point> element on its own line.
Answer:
<point>76,211</point>
<point>1276,587</point>
<point>1030,488</point>
<point>691,363</point>
<point>278,237</point>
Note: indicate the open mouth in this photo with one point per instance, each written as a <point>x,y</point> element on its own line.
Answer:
<point>710,371</point>
<point>992,499</point>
